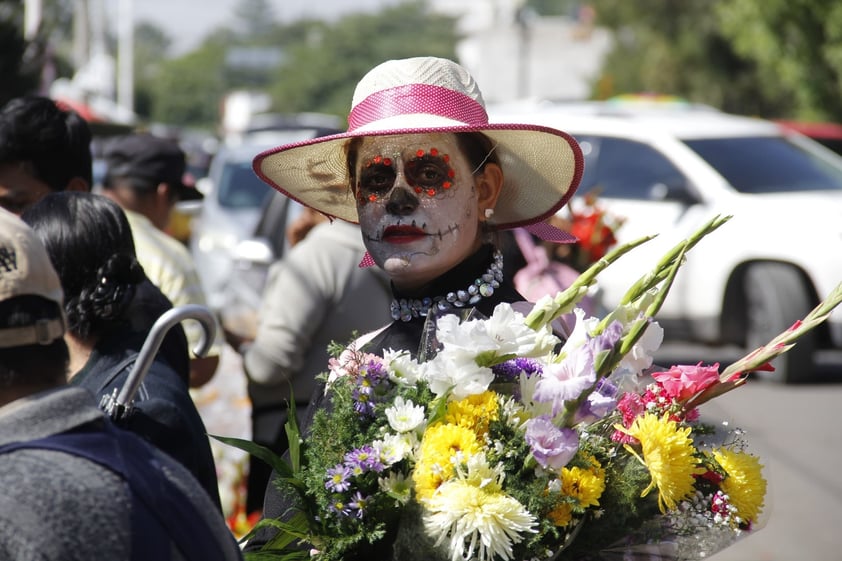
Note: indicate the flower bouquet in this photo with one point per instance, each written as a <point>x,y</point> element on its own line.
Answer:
<point>593,226</point>
<point>503,441</point>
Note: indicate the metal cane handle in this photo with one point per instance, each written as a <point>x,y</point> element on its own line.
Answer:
<point>152,344</point>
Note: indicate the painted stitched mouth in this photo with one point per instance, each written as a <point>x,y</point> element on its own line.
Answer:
<point>402,233</point>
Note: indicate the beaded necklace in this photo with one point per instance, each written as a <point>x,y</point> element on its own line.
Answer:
<point>407,308</point>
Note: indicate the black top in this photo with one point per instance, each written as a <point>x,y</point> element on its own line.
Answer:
<point>405,336</point>
<point>164,415</point>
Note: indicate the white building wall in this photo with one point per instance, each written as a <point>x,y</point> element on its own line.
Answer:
<point>544,58</point>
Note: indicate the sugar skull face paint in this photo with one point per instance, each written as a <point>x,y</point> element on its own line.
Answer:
<point>428,173</point>
<point>417,205</point>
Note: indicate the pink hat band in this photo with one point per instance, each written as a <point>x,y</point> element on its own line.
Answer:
<point>414,99</point>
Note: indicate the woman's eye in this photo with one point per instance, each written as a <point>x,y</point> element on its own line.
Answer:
<point>427,172</point>
<point>377,180</point>
<point>431,175</point>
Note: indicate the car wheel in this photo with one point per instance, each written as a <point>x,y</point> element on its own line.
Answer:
<point>775,298</point>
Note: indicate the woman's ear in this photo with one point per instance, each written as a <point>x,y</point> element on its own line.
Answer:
<point>489,185</point>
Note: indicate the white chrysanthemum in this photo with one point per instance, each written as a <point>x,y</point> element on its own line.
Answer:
<point>404,415</point>
<point>456,371</point>
<point>396,447</point>
<point>478,519</point>
<point>397,486</point>
<point>402,368</point>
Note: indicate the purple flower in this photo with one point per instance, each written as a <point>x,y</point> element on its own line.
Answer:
<point>337,478</point>
<point>362,402</point>
<point>510,370</point>
<point>358,504</point>
<point>375,372</point>
<point>373,378</point>
<point>361,460</point>
<point>551,446</point>
<point>338,506</point>
<point>600,402</point>
<point>609,337</point>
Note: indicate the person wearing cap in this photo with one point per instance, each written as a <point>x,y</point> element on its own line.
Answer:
<point>43,148</point>
<point>90,245</point>
<point>74,485</point>
<point>430,181</point>
<point>145,177</point>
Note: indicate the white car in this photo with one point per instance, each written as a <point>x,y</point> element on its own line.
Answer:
<point>235,196</point>
<point>667,172</point>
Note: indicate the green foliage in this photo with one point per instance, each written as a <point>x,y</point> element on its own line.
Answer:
<point>772,58</point>
<point>620,506</point>
<point>188,90</point>
<point>797,47</point>
<point>320,64</point>
<point>321,73</point>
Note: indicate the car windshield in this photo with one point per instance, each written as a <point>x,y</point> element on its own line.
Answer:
<point>771,164</point>
<point>239,187</point>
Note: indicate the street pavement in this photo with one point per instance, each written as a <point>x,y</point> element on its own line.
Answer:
<point>795,431</point>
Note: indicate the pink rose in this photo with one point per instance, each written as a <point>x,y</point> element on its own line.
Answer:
<point>684,381</point>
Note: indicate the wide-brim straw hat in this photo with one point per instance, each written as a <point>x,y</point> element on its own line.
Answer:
<point>541,166</point>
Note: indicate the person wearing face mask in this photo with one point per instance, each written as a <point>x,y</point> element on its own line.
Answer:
<point>431,182</point>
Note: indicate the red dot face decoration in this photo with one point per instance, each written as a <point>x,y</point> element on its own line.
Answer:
<point>427,172</point>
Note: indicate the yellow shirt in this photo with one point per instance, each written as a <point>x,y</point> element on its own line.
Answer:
<point>169,265</point>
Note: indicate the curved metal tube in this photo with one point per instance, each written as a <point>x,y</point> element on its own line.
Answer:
<point>152,344</point>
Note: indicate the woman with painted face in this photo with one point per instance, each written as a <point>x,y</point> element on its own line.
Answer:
<point>430,181</point>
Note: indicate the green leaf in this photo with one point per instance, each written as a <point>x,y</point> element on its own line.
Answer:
<point>260,452</point>
<point>293,437</point>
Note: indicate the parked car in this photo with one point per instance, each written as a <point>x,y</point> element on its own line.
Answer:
<point>667,172</point>
<point>827,134</point>
<point>235,196</point>
<point>251,260</point>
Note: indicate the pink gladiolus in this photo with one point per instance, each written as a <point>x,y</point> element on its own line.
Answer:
<point>684,381</point>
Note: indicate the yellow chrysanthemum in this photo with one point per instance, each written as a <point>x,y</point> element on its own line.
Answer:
<point>439,446</point>
<point>668,454</point>
<point>585,485</point>
<point>473,412</point>
<point>744,485</point>
<point>561,515</point>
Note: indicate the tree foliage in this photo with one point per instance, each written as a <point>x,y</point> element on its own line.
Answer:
<point>320,65</point>
<point>321,72</point>
<point>773,58</point>
<point>796,46</point>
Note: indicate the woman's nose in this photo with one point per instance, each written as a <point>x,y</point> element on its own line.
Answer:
<point>402,200</point>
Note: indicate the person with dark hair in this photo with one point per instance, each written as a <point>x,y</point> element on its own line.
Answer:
<point>145,177</point>
<point>110,306</point>
<point>430,182</point>
<point>43,148</point>
<point>74,485</point>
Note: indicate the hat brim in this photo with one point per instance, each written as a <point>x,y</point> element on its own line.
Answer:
<point>542,167</point>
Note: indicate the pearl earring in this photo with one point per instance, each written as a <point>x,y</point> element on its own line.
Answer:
<point>489,212</point>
